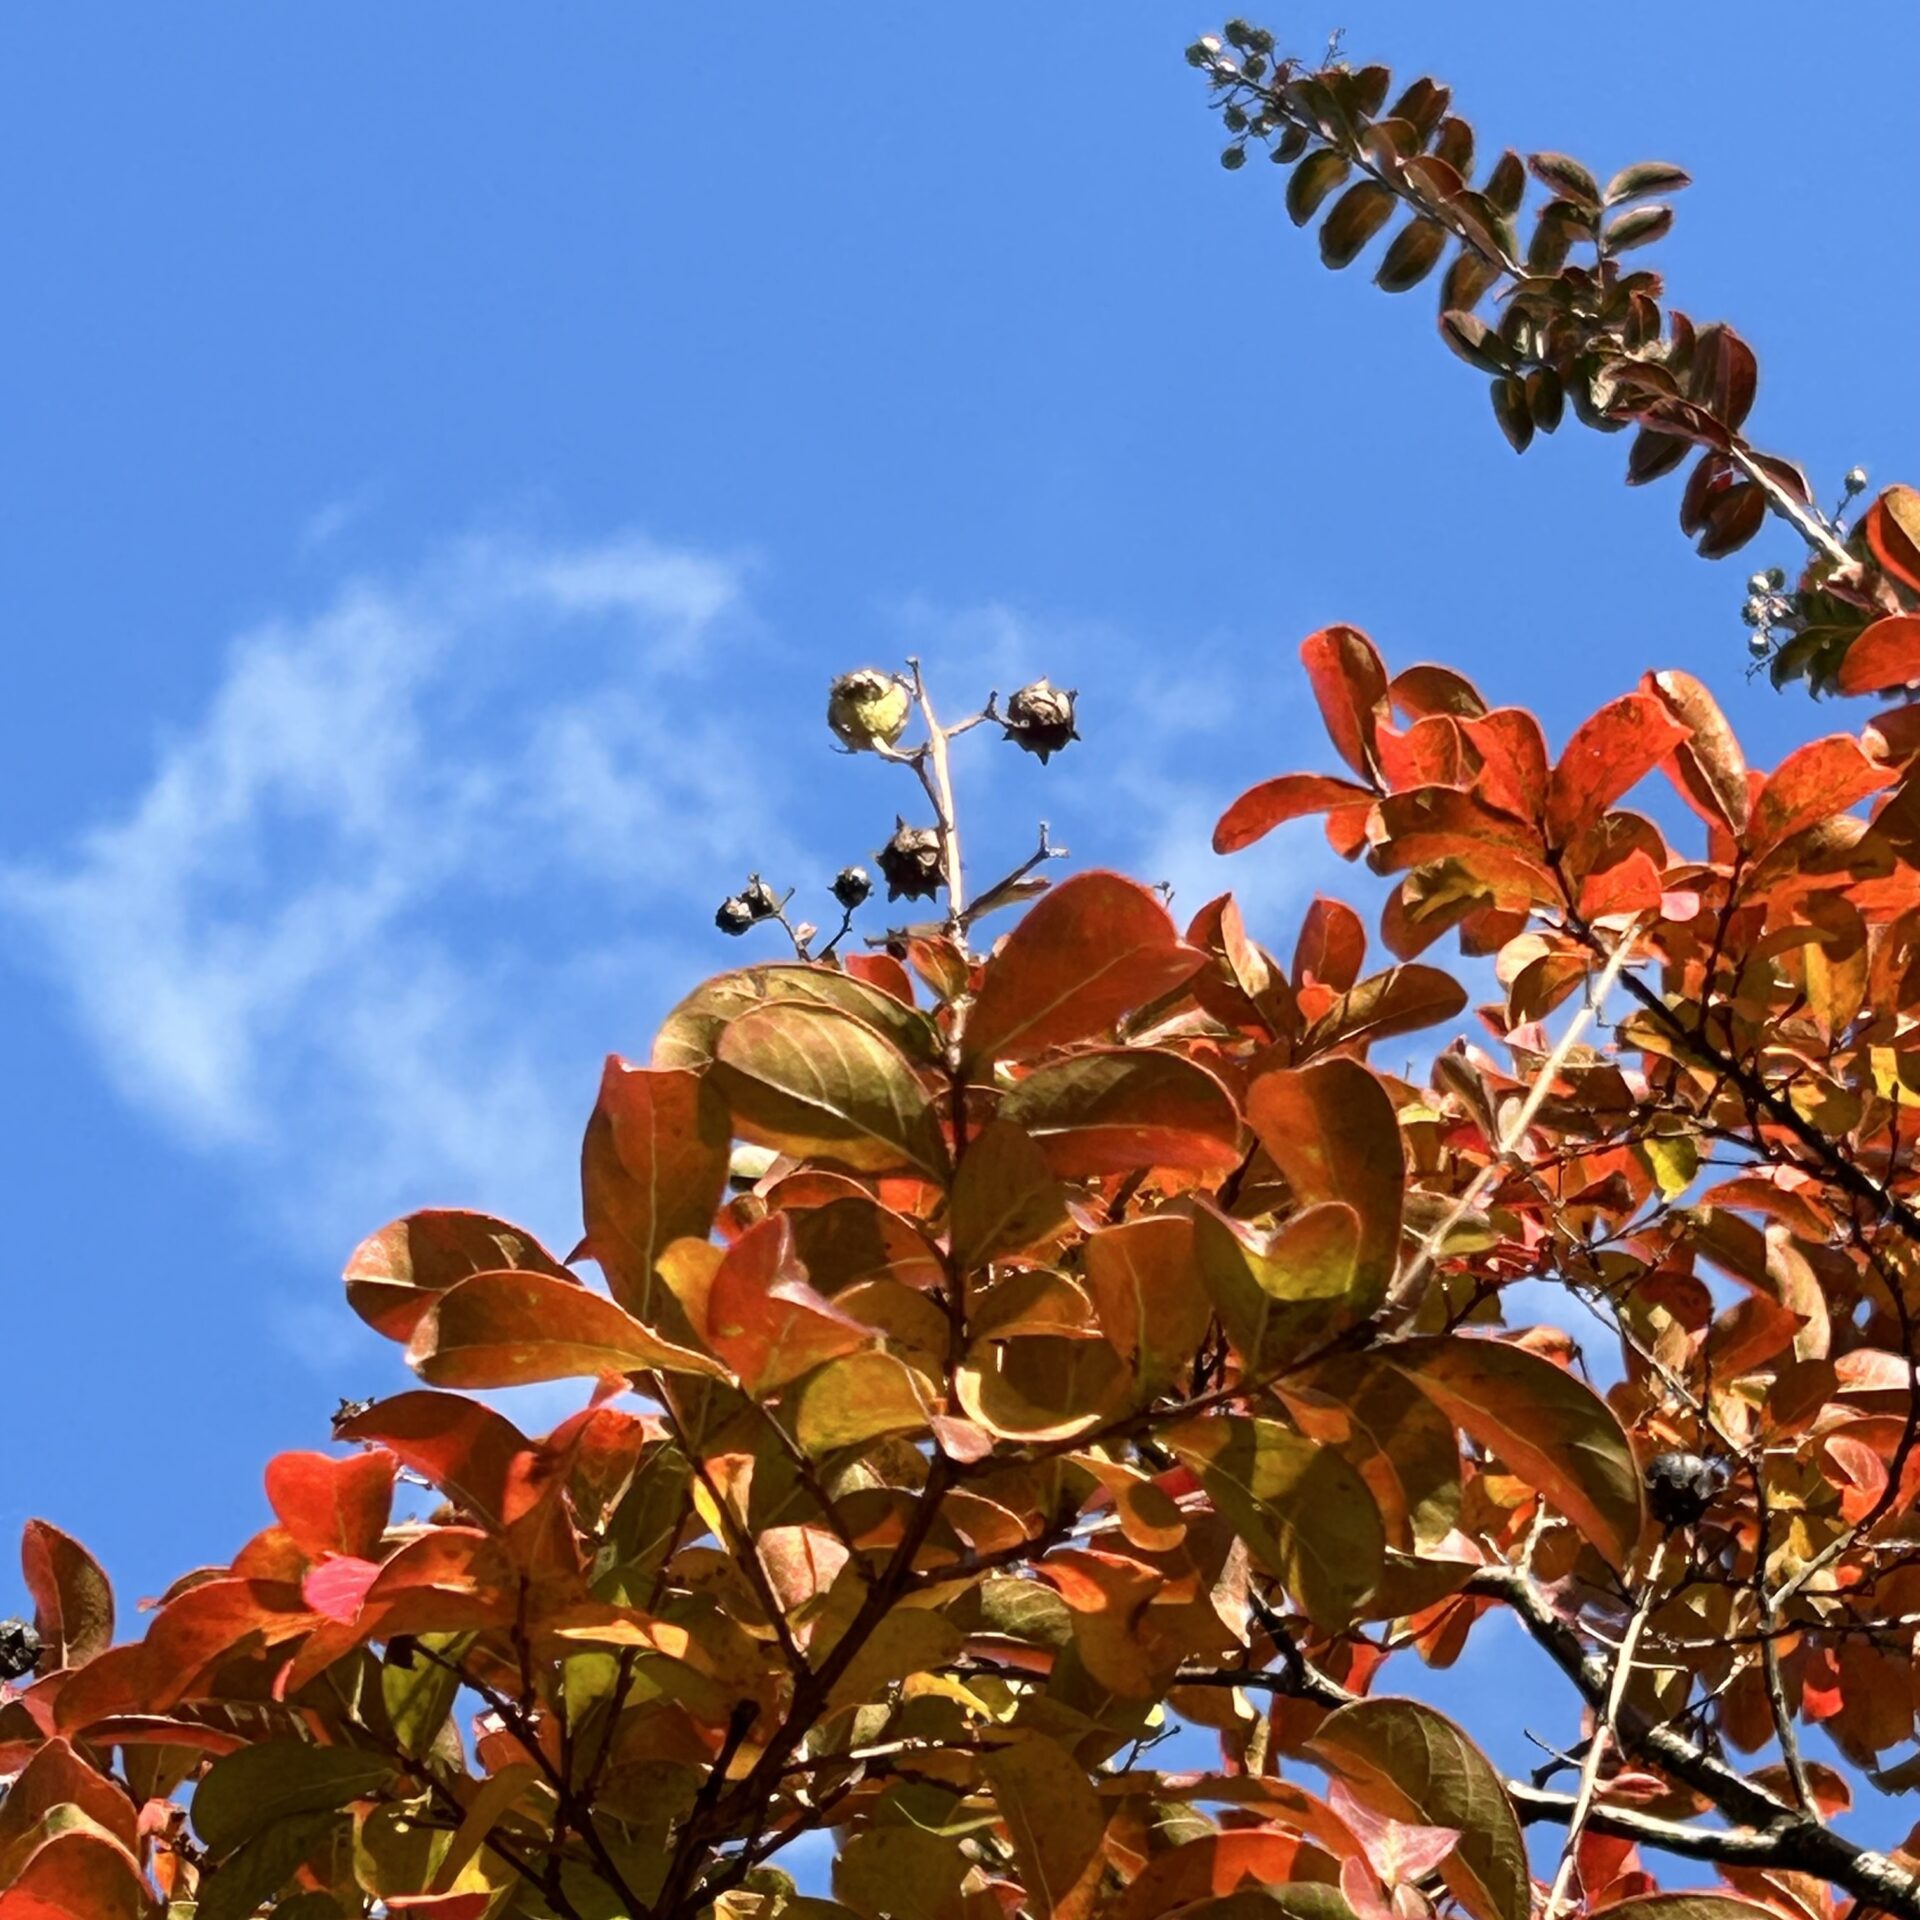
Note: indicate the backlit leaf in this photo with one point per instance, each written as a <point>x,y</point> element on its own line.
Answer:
<point>1405,1761</point>
<point>1146,1288</point>
<point>1055,1820</point>
<point>1117,1109</point>
<point>1820,779</point>
<point>72,1600</point>
<point>811,1080</point>
<point>1349,681</point>
<point>1550,1429</point>
<point>1289,796</point>
<point>513,1329</point>
<point>1886,656</point>
<point>1005,1197</point>
<point>1357,216</point>
<point>690,1035</point>
<point>1619,746</point>
<point>1331,1129</point>
<point>857,1399</point>
<point>653,1169</point>
<point>330,1505</point>
<point>1302,1510</point>
<point>1095,948</point>
<point>395,1275</point>
<point>764,1319</point>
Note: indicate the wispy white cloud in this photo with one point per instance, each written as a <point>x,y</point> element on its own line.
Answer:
<point>328,933</point>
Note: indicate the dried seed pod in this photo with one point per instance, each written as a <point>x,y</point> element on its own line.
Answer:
<point>761,900</point>
<point>851,886</point>
<point>20,1649</point>
<point>868,708</point>
<point>1039,718</point>
<point>913,863</point>
<point>1681,1486</point>
<point>734,915</point>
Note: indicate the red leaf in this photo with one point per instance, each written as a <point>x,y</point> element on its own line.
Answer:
<point>1093,949</point>
<point>72,1599</point>
<point>1290,796</point>
<point>1118,1109</point>
<point>1332,946</point>
<point>1431,753</point>
<point>1513,755</point>
<point>332,1506</point>
<point>1619,746</point>
<point>1886,656</point>
<point>1893,534</point>
<point>653,1169</point>
<point>1811,784</point>
<point>471,1453</point>
<point>213,1621</point>
<point>1349,681</point>
<point>881,970</point>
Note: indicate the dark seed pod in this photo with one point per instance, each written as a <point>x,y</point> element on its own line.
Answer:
<point>912,863</point>
<point>851,886</point>
<point>734,915</point>
<point>19,1649</point>
<point>1681,1487</point>
<point>1039,719</point>
<point>762,902</point>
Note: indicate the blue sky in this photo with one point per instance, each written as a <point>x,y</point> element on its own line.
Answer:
<point>448,449</point>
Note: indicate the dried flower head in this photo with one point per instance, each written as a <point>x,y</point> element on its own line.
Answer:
<point>868,708</point>
<point>913,863</point>
<point>1039,718</point>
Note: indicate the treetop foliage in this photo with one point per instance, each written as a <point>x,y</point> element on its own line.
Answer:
<point>998,1356</point>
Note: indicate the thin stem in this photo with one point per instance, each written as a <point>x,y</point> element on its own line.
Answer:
<point>937,776</point>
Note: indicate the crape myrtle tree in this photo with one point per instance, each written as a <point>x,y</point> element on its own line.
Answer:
<point>997,1353</point>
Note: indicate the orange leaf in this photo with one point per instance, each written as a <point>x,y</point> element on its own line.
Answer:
<point>653,1169</point>
<point>1332,946</point>
<point>1350,682</point>
<point>1330,1128</point>
<point>1886,656</point>
<point>470,1452</point>
<point>332,1506</point>
<point>763,1317</point>
<point>1893,534</point>
<point>57,1776</point>
<point>1610,752</point>
<point>1290,796</point>
<point>78,1874</point>
<point>395,1275</point>
<point>1095,948</point>
<point>1118,1109</point>
<point>1811,784</point>
<point>513,1329</point>
<point>1550,1429</point>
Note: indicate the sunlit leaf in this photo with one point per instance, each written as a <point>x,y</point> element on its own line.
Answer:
<point>1118,1109</point>
<point>1552,1430</point>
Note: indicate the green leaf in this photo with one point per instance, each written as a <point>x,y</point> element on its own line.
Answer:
<point>900,1873</point>
<point>856,1399</point>
<point>1279,1293</point>
<point>1405,1761</point>
<point>246,1791</point>
<point>419,1697</point>
<point>1303,1511</point>
<point>1005,1197</point>
<point>1645,177</point>
<point>1550,1429</point>
<point>816,1082</point>
<point>260,1868</point>
<point>1638,227</point>
<point>1055,1820</point>
<point>691,1032</point>
<point>1313,179</point>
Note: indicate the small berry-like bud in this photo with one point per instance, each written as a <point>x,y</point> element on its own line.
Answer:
<point>1759,645</point>
<point>851,885</point>
<point>1754,611</point>
<point>19,1649</point>
<point>1233,158</point>
<point>1856,480</point>
<point>1681,1486</point>
<point>1758,583</point>
<point>1040,719</point>
<point>1201,53</point>
<point>762,902</point>
<point>734,915</point>
<point>1776,578</point>
<point>913,863</point>
<point>868,708</point>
